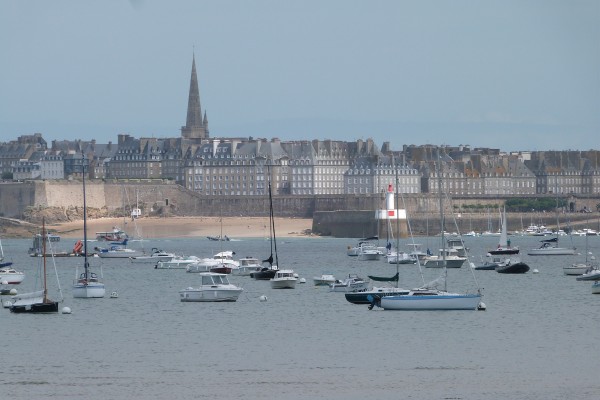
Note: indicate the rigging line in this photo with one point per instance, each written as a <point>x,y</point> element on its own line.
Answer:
<point>461,239</point>
<point>410,232</point>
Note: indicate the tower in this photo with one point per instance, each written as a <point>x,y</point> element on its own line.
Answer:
<point>195,127</point>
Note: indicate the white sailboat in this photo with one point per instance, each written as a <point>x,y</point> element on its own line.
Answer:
<point>88,284</point>
<point>504,246</point>
<point>429,297</point>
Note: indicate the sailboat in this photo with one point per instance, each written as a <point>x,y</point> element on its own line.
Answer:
<point>429,297</point>
<point>88,284</point>
<point>504,246</point>
<point>268,273</point>
<point>38,301</point>
<point>283,278</point>
<point>581,268</point>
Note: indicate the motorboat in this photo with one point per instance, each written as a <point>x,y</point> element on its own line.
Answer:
<point>11,276</point>
<point>510,267</point>
<point>400,257</point>
<point>368,252</point>
<point>416,251</point>
<point>458,245</point>
<point>118,251</point>
<point>450,260</point>
<point>354,251</point>
<point>116,235</point>
<point>224,258</point>
<point>52,249</point>
<point>155,256</point>
<point>284,279</point>
<point>177,263</point>
<point>214,287</point>
<point>550,247</point>
<point>350,284</point>
<point>324,280</point>
<point>491,263</point>
<point>247,266</point>
<point>596,287</point>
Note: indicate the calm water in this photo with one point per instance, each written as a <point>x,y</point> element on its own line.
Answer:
<point>537,340</point>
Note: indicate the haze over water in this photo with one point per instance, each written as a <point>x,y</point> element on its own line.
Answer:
<point>535,341</point>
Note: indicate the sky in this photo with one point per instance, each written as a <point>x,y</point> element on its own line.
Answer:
<point>512,75</point>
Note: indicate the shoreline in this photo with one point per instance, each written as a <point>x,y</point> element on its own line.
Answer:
<point>174,227</point>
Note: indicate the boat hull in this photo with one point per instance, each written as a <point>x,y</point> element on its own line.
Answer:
<point>439,263</point>
<point>89,291</point>
<point>596,288</point>
<point>503,251</point>
<point>283,283</point>
<point>554,251</point>
<point>431,303</point>
<point>36,308</point>
<point>516,268</point>
<point>575,269</point>
<point>263,275</point>
<point>209,295</point>
<point>363,297</point>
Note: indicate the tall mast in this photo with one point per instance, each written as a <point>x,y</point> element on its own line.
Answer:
<point>85,251</point>
<point>44,256</point>
<point>442,218</point>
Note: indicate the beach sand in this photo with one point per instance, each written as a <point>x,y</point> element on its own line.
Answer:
<point>233,227</point>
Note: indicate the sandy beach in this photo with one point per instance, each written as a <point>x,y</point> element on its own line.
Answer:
<point>187,227</point>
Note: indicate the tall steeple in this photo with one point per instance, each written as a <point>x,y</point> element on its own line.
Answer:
<point>195,127</point>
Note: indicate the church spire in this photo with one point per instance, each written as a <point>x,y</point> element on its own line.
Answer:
<point>194,125</point>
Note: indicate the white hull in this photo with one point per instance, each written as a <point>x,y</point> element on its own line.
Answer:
<point>215,287</point>
<point>11,277</point>
<point>284,279</point>
<point>210,294</point>
<point>119,254</point>
<point>438,262</point>
<point>150,259</point>
<point>323,280</point>
<point>442,301</point>
<point>575,269</point>
<point>369,256</point>
<point>283,283</point>
<point>551,251</point>
<point>89,291</point>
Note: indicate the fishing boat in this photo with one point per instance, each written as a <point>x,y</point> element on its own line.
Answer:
<point>214,287</point>
<point>36,249</point>
<point>247,266</point>
<point>284,279</point>
<point>38,301</point>
<point>88,284</point>
<point>116,235</point>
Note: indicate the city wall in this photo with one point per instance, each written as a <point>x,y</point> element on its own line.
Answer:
<point>335,215</point>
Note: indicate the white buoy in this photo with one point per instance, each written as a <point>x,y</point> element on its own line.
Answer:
<point>13,291</point>
<point>4,282</point>
<point>535,271</point>
<point>6,304</point>
<point>263,298</point>
<point>302,280</point>
<point>114,295</point>
<point>481,306</point>
<point>472,265</point>
<point>66,310</point>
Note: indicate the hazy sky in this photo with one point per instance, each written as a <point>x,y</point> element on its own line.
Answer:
<point>514,75</point>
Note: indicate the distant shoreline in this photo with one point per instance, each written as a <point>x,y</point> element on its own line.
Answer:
<point>173,227</point>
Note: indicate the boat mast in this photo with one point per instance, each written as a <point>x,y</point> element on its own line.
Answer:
<point>442,222</point>
<point>397,225</point>
<point>85,251</point>
<point>274,239</point>
<point>44,257</point>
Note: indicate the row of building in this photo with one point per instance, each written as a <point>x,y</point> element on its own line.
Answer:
<point>245,166</point>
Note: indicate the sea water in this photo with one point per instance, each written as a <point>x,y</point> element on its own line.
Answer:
<point>538,338</point>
